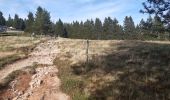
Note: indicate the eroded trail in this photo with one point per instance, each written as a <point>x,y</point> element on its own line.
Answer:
<point>44,54</point>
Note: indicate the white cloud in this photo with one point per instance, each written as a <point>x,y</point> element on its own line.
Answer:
<point>100,10</point>
<point>69,10</point>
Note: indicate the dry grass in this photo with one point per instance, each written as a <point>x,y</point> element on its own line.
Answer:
<point>118,70</point>
<point>140,72</point>
<point>11,43</point>
<point>9,59</point>
<point>71,84</point>
<point>14,48</point>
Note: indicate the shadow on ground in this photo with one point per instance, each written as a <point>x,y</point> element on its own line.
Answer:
<point>136,71</point>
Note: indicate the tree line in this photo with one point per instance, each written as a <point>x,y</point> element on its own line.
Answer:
<point>41,24</point>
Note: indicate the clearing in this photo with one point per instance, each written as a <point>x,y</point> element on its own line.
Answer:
<point>117,70</point>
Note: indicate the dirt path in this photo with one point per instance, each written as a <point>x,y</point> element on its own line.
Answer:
<point>44,53</point>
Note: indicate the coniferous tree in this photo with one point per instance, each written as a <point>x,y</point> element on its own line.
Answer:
<point>69,28</point>
<point>42,21</point>
<point>142,27</point>
<point>59,28</point>
<point>129,26</point>
<point>108,28</point>
<point>52,29</point>
<point>98,28</point>
<point>120,29</point>
<point>38,21</point>
<point>30,22</point>
<point>65,34</point>
<point>157,25</point>
<point>116,27</point>
<point>9,21</point>
<point>149,24</point>
<point>16,23</point>
<point>126,24</point>
<point>88,29</point>
<point>21,24</point>
<point>92,29</point>
<point>46,22</point>
<point>2,19</point>
<point>160,8</point>
<point>76,29</point>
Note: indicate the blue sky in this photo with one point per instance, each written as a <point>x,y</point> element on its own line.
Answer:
<point>69,10</point>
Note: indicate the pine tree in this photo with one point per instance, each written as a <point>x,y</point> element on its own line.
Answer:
<point>160,8</point>
<point>158,25</point>
<point>30,22</point>
<point>76,29</point>
<point>108,28</point>
<point>116,27</point>
<point>38,21</point>
<point>129,26</point>
<point>59,30</point>
<point>21,24</point>
<point>16,23</point>
<point>142,27</point>
<point>92,29</point>
<point>65,34</point>
<point>2,19</point>
<point>107,25</point>
<point>52,29</point>
<point>47,22</point>
<point>88,29</point>
<point>120,29</point>
<point>149,24</point>
<point>42,21</point>
<point>9,21</point>
<point>98,28</point>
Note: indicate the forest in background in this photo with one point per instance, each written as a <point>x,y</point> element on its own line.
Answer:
<point>40,24</point>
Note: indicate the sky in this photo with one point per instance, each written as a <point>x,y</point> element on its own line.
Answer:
<point>71,10</point>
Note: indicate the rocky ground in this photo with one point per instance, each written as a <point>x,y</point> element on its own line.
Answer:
<point>43,85</point>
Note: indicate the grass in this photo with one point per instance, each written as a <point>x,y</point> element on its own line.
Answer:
<point>21,46</point>
<point>71,84</point>
<point>3,34</point>
<point>141,70</point>
<point>21,54</point>
<point>134,70</point>
<point>9,59</point>
<point>11,43</point>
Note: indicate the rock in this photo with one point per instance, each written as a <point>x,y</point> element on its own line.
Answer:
<point>27,95</point>
<point>34,76</point>
<point>39,82</point>
<point>20,93</point>
<point>15,98</point>
<point>46,73</point>
<point>52,75</point>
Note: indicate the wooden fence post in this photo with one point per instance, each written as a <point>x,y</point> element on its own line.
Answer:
<point>87,51</point>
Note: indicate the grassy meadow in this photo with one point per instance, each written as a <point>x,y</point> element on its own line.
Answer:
<point>117,70</point>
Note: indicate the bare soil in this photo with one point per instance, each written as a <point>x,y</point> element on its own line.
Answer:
<point>44,84</point>
<point>21,85</point>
